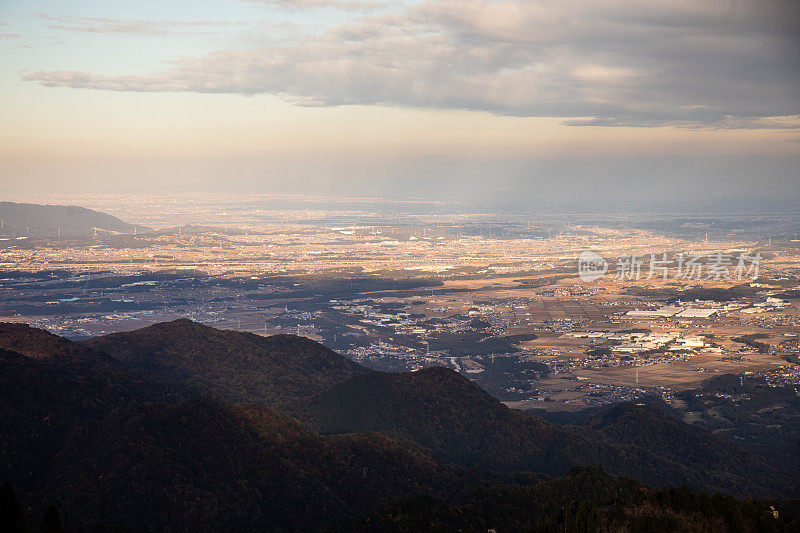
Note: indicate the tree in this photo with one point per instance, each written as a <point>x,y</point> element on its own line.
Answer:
<point>12,519</point>
<point>51,521</point>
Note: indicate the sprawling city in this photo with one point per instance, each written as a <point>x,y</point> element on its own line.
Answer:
<point>499,300</point>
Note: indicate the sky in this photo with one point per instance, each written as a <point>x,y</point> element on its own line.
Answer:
<point>263,94</point>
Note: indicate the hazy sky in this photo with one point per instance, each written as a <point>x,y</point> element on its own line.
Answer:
<point>102,93</point>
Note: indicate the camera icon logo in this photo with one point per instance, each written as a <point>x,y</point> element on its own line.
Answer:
<point>591,266</point>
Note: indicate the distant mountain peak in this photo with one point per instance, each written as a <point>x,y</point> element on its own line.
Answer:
<point>186,326</point>
<point>177,325</point>
<point>38,220</point>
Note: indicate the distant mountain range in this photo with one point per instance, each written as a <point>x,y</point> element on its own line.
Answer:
<point>183,426</point>
<point>35,220</point>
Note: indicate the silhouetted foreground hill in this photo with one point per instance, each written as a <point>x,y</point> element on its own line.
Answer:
<point>444,413</point>
<point>453,419</point>
<point>138,441</point>
<point>279,371</point>
<point>202,465</point>
<point>53,220</point>
<point>54,391</point>
<point>95,443</point>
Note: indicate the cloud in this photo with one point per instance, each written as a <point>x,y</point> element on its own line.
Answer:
<point>786,122</point>
<point>345,5</point>
<point>678,62</point>
<point>8,35</point>
<point>137,27</point>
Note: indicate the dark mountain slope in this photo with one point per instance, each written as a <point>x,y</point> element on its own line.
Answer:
<point>584,500</point>
<point>662,434</point>
<point>52,388</point>
<point>453,419</point>
<point>442,412</point>
<point>752,412</point>
<point>279,371</point>
<point>51,220</point>
<point>84,434</point>
<point>81,430</point>
<point>43,345</point>
<point>41,406</point>
<point>79,362</point>
<point>200,465</point>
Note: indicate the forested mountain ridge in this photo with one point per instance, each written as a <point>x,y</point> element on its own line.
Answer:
<point>453,419</point>
<point>156,437</point>
<point>279,371</point>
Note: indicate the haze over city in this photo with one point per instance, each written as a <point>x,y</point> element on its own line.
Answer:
<point>292,96</point>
